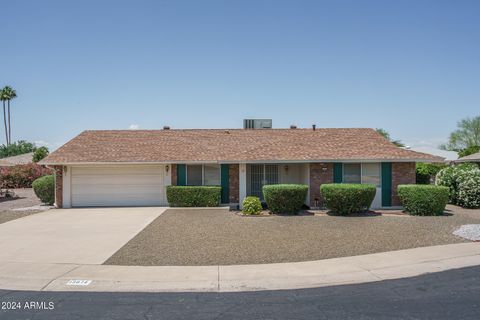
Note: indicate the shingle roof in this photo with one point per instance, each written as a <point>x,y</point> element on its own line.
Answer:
<point>15,160</point>
<point>470,158</point>
<point>231,145</point>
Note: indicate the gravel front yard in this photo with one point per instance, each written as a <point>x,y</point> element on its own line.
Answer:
<point>211,237</point>
<point>26,198</point>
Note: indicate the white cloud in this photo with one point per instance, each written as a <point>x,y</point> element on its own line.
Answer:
<point>41,143</point>
<point>134,127</point>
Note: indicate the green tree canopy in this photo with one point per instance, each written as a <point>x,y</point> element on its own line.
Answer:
<point>40,153</point>
<point>16,148</point>
<point>386,135</point>
<point>466,136</point>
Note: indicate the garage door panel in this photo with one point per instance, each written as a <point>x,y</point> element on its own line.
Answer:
<point>117,179</point>
<point>126,170</point>
<point>117,186</point>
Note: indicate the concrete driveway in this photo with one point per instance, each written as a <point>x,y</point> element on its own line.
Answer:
<point>76,236</point>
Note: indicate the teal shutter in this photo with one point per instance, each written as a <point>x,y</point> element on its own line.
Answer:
<point>386,184</point>
<point>225,180</point>
<point>181,175</point>
<point>337,172</point>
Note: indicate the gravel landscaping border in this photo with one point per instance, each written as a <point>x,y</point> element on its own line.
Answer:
<point>220,237</point>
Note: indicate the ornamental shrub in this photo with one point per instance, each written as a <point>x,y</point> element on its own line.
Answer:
<point>251,205</point>
<point>347,198</point>
<point>426,171</point>
<point>423,200</point>
<point>450,177</point>
<point>44,188</point>
<point>285,198</point>
<point>193,196</point>
<point>21,176</point>
<point>468,195</point>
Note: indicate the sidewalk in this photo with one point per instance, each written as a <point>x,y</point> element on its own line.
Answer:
<point>348,270</point>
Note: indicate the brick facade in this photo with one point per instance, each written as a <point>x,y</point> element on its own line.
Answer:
<point>402,173</point>
<point>320,173</point>
<point>234,183</point>
<point>174,174</point>
<point>58,186</point>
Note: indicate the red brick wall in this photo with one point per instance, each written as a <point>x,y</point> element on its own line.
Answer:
<point>402,173</point>
<point>319,173</point>
<point>234,183</point>
<point>58,186</point>
<point>174,174</point>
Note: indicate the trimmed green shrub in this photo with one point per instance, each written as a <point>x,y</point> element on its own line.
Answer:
<point>285,198</point>
<point>451,176</point>
<point>44,188</point>
<point>347,198</point>
<point>423,200</point>
<point>251,205</point>
<point>190,196</point>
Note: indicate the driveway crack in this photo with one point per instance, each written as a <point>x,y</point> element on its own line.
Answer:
<point>56,278</point>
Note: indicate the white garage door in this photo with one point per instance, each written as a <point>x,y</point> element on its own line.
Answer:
<point>117,186</point>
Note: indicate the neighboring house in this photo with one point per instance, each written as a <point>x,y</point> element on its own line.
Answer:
<point>471,158</point>
<point>16,160</point>
<point>133,167</point>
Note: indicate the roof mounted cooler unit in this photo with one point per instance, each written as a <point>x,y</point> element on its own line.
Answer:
<point>257,123</point>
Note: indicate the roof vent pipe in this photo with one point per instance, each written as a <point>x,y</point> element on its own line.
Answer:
<point>314,126</point>
<point>166,127</point>
<point>292,126</point>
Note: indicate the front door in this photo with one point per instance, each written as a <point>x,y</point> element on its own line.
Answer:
<point>260,175</point>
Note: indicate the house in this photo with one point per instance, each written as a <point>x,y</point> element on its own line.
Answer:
<point>470,158</point>
<point>133,167</point>
<point>25,158</point>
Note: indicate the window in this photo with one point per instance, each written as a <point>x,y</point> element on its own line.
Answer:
<point>194,175</point>
<point>352,173</point>
<point>203,175</point>
<point>371,173</point>
<point>211,175</point>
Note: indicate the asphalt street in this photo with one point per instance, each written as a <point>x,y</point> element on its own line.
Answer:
<point>449,295</point>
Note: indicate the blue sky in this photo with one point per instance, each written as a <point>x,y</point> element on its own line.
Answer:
<point>411,67</point>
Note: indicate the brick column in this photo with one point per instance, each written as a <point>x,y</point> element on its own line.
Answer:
<point>320,173</point>
<point>58,186</point>
<point>174,174</point>
<point>402,173</point>
<point>234,183</point>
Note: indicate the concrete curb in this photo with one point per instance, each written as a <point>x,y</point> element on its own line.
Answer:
<point>280,276</point>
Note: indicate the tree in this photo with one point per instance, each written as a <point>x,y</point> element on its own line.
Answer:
<point>3,97</point>
<point>16,148</point>
<point>7,94</point>
<point>468,151</point>
<point>466,136</point>
<point>39,154</point>
<point>386,135</point>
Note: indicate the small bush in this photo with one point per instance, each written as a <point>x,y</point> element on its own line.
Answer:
<point>285,198</point>
<point>21,176</point>
<point>190,196</point>
<point>423,200</point>
<point>347,198</point>
<point>44,188</point>
<point>251,205</point>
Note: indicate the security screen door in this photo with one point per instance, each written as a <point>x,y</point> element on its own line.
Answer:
<point>260,175</point>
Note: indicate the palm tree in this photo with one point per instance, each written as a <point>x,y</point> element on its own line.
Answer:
<point>3,97</point>
<point>9,94</point>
